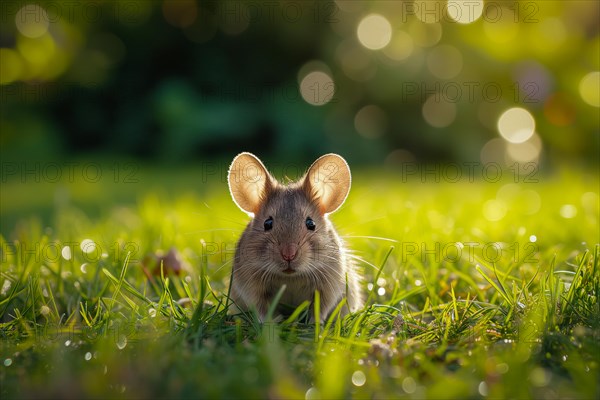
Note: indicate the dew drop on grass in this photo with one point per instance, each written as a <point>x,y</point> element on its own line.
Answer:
<point>122,342</point>
<point>5,287</point>
<point>483,389</point>
<point>88,246</point>
<point>44,310</point>
<point>66,253</point>
<point>409,385</point>
<point>88,356</point>
<point>381,291</point>
<point>312,394</point>
<point>68,343</point>
<point>533,238</point>
<point>8,362</point>
<point>152,312</point>
<point>370,286</point>
<point>418,282</point>
<point>381,282</point>
<point>358,378</point>
<point>502,368</point>
<point>83,268</point>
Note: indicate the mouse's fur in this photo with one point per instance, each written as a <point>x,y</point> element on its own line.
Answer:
<point>289,253</point>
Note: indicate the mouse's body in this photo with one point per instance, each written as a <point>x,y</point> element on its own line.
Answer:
<point>290,241</point>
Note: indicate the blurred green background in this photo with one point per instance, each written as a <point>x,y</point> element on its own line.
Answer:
<point>185,80</point>
<point>129,84</point>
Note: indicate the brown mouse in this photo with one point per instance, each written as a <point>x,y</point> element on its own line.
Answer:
<point>290,240</point>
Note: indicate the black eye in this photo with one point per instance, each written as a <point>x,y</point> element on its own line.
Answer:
<point>310,224</point>
<point>268,224</point>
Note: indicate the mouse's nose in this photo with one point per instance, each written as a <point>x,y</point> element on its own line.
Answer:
<point>289,251</point>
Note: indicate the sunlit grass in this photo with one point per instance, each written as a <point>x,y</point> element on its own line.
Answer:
<point>466,298</point>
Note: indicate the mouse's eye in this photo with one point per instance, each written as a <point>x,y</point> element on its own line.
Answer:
<point>268,224</point>
<point>310,224</point>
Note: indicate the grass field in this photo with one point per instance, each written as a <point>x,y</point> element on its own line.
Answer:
<point>475,289</point>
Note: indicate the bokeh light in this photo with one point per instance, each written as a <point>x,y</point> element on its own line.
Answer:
<point>400,47</point>
<point>527,201</point>
<point>317,88</point>
<point>590,202</point>
<point>374,31</point>
<point>32,21</point>
<point>559,110</point>
<point>11,66</point>
<point>180,13</point>
<point>589,88</point>
<point>392,54</point>
<point>429,11</point>
<point>528,151</point>
<point>568,211</point>
<point>425,35</point>
<point>438,112</point>
<point>552,32</point>
<point>38,53</point>
<point>464,11</point>
<point>494,210</point>
<point>500,26</point>
<point>370,122</point>
<point>493,152</point>
<point>516,125</point>
<point>445,61</point>
<point>355,62</point>
<point>398,157</point>
<point>535,82</point>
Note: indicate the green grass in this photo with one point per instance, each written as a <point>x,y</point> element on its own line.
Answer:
<point>459,306</point>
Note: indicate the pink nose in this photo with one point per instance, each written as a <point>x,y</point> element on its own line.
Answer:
<point>289,251</point>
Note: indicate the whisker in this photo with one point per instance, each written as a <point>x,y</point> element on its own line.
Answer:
<point>372,237</point>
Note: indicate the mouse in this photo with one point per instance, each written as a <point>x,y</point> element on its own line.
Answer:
<point>290,240</point>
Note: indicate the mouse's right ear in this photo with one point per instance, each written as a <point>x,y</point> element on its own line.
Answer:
<point>249,182</point>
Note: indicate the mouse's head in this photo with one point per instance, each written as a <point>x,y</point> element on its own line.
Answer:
<point>290,232</point>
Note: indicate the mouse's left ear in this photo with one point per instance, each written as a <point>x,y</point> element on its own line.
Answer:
<point>328,181</point>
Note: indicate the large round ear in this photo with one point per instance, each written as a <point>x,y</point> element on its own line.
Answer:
<point>249,182</point>
<point>328,181</point>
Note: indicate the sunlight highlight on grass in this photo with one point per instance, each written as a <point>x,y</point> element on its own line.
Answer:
<point>465,298</point>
